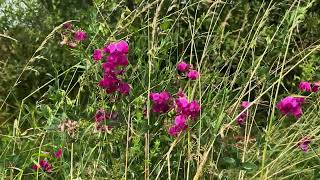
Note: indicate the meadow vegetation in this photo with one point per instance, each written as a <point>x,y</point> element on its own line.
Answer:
<point>159,89</point>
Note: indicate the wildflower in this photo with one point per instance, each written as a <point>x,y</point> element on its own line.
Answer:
<point>182,105</point>
<point>305,86</point>
<point>67,25</point>
<point>194,109</point>
<point>44,164</point>
<point>58,154</point>
<point>182,66</point>
<point>303,144</point>
<point>100,115</point>
<point>97,54</point>
<point>180,125</point>
<point>291,106</point>
<point>117,47</point>
<point>124,88</point>
<point>315,87</point>
<point>193,74</point>
<point>161,101</point>
<point>110,83</point>
<point>35,167</point>
<point>243,116</point>
<point>80,35</point>
<point>160,98</point>
<point>245,104</point>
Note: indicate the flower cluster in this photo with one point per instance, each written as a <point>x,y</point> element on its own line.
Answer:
<point>163,102</point>
<point>243,116</point>
<point>71,37</point>
<point>116,59</point>
<point>44,163</point>
<point>184,110</point>
<point>160,102</point>
<point>100,117</point>
<point>183,67</point>
<point>309,87</point>
<point>291,106</point>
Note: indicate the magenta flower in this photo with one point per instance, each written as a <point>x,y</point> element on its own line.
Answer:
<point>291,106</point>
<point>100,115</point>
<point>121,47</point>
<point>160,102</point>
<point>305,86</point>
<point>245,104</point>
<point>180,124</point>
<point>58,154</point>
<point>304,144</point>
<point>315,87</point>
<point>194,109</point>
<point>67,25</point>
<point>45,166</point>
<point>243,116</point>
<point>193,74</point>
<point>35,167</point>
<point>124,88</point>
<point>97,55</point>
<point>182,105</point>
<point>182,66</point>
<point>80,35</point>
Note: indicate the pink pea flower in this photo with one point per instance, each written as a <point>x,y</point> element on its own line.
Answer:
<point>180,125</point>
<point>243,116</point>
<point>245,104</point>
<point>100,115</point>
<point>67,25</point>
<point>35,167</point>
<point>80,35</point>
<point>45,166</point>
<point>315,87</point>
<point>160,102</point>
<point>58,154</point>
<point>304,144</point>
<point>117,47</point>
<point>182,105</point>
<point>305,86</point>
<point>182,66</point>
<point>291,106</point>
<point>194,109</point>
<point>193,74</point>
<point>124,88</point>
<point>97,55</point>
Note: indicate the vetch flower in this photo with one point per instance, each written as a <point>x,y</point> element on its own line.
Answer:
<point>182,66</point>
<point>100,115</point>
<point>291,106</point>
<point>44,164</point>
<point>58,154</point>
<point>194,109</point>
<point>193,74</point>
<point>305,86</point>
<point>245,104</point>
<point>124,88</point>
<point>67,25</point>
<point>315,87</point>
<point>117,47</point>
<point>160,102</point>
<point>80,35</point>
<point>304,144</point>
<point>97,55</point>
